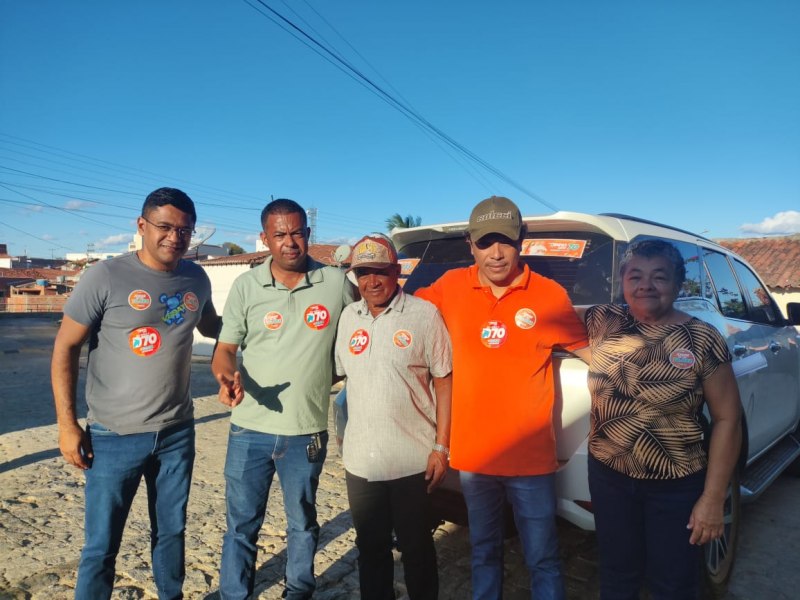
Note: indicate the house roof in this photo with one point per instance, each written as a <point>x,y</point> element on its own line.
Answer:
<point>776,259</point>
<point>320,252</point>
<point>49,274</point>
<point>7,281</point>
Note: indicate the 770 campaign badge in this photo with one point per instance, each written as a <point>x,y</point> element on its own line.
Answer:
<point>144,341</point>
<point>493,334</point>
<point>317,317</point>
<point>359,341</point>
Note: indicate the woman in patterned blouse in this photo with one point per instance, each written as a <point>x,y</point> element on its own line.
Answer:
<point>658,486</point>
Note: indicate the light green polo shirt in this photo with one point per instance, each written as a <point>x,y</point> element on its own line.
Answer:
<point>286,337</point>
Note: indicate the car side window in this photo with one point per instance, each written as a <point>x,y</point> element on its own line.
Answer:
<point>762,307</point>
<point>728,295</point>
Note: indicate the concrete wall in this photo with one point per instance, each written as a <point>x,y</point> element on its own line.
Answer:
<point>783,297</point>
<point>221,277</point>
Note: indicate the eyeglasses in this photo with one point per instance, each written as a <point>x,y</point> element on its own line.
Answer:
<point>167,229</point>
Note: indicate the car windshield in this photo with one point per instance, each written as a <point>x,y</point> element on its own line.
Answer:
<point>581,262</point>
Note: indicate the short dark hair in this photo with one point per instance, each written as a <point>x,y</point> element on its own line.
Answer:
<point>282,206</point>
<point>652,249</point>
<point>169,196</point>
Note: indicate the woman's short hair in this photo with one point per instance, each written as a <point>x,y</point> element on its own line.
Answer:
<point>653,249</point>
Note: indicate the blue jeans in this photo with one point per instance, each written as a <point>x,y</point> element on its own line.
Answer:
<point>534,503</point>
<point>252,461</point>
<point>641,534</point>
<point>165,459</point>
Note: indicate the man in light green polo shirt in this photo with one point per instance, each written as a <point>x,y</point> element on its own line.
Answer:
<point>283,315</point>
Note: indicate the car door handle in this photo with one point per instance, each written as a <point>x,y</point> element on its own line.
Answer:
<point>739,349</point>
<point>775,347</point>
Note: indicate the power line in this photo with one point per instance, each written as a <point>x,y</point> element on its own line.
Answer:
<point>333,57</point>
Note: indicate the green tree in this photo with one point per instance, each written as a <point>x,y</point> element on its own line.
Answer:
<point>233,248</point>
<point>396,220</point>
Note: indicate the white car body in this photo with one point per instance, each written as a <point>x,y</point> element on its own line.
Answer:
<point>765,351</point>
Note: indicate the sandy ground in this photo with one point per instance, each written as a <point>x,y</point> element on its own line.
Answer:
<point>41,511</point>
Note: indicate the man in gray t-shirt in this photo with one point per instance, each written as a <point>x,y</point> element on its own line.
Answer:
<point>138,312</point>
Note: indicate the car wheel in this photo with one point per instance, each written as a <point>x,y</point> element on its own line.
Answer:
<point>720,554</point>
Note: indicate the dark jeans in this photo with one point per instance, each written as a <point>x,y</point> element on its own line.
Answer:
<point>378,507</point>
<point>642,535</point>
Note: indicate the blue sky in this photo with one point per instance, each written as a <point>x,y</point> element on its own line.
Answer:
<point>682,112</point>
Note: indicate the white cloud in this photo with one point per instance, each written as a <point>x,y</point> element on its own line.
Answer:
<point>783,223</point>
<point>251,239</point>
<point>114,240</point>
<point>47,236</point>
<point>37,208</point>
<point>77,204</point>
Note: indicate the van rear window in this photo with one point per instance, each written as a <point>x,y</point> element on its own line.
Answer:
<point>581,262</point>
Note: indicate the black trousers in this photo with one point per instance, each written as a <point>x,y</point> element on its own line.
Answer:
<point>402,505</point>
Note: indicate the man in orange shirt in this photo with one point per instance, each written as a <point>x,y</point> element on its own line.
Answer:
<point>504,321</point>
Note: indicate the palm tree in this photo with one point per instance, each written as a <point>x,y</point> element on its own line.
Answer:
<point>398,221</point>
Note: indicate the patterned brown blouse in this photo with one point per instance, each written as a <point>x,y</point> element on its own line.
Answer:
<point>646,383</point>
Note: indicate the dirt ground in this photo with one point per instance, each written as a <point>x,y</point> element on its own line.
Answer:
<point>41,510</point>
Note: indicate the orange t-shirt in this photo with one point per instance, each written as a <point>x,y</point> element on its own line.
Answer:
<point>502,413</point>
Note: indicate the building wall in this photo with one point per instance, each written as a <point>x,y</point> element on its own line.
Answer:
<point>221,277</point>
<point>24,303</point>
<point>784,296</point>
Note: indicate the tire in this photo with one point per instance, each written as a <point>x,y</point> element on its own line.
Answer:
<point>720,555</point>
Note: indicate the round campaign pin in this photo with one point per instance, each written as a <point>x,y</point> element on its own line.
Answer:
<point>317,317</point>
<point>191,302</point>
<point>144,341</point>
<point>139,300</point>
<point>682,358</point>
<point>273,320</point>
<point>402,339</point>
<point>493,334</point>
<point>525,318</point>
<point>359,341</point>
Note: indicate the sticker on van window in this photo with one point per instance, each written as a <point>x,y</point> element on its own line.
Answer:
<point>407,266</point>
<point>553,247</point>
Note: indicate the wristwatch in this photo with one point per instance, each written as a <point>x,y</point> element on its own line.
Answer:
<point>443,449</point>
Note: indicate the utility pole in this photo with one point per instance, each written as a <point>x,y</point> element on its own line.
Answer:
<point>312,223</point>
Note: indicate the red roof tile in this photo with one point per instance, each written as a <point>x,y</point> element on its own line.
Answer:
<point>320,252</point>
<point>776,259</point>
<point>49,274</point>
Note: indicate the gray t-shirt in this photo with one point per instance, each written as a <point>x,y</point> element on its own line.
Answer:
<point>140,346</point>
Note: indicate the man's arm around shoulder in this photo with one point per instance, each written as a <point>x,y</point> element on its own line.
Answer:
<point>73,440</point>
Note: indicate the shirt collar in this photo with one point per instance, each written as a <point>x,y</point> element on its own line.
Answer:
<point>313,274</point>
<point>521,284</point>
<point>397,304</point>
